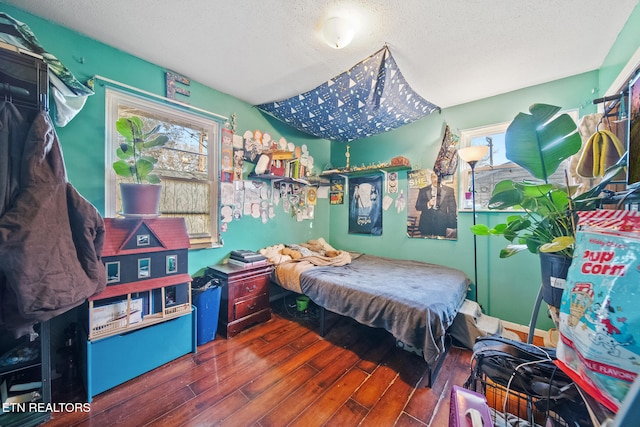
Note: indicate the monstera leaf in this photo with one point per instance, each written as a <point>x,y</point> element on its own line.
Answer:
<point>538,142</point>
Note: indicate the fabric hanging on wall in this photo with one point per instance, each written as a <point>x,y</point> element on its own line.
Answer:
<point>370,98</point>
<point>365,205</point>
<point>69,95</point>
<point>447,160</point>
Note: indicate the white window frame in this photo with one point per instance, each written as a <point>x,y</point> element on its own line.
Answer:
<point>468,135</point>
<point>213,127</point>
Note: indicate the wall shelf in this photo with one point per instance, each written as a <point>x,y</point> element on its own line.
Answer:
<point>361,172</point>
<point>311,180</point>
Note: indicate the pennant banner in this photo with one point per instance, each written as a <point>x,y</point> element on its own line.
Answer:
<point>370,98</point>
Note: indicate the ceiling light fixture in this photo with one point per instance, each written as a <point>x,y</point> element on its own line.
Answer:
<point>337,32</point>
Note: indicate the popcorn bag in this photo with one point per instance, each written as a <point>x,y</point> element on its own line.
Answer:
<point>599,327</point>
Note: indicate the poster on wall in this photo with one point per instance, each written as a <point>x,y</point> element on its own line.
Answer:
<point>365,205</point>
<point>432,207</point>
<point>336,193</point>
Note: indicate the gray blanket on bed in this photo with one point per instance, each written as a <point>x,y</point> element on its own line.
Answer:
<point>415,301</point>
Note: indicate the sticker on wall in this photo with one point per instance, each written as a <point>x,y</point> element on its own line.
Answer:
<point>255,210</point>
<point>264,211</point>
<point>401,202</point>
<point>312,195</point>
<point>392,182</point>
<point>238,162</point>
<point>386,202</point>
<point>336,191</point>
<point>238,142</point>
<point>252,198</point>
<point>237,213</point>
<point>227,214</point>
<point>226,193</point>
<point>238,197</point>
<point>252,148</point>
<point>226,154</point>
<point>266,141</point>
<point>275,193</point>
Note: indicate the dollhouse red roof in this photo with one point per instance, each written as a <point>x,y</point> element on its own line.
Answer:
<point>165,233</point>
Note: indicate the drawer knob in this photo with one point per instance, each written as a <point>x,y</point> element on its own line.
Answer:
<point>251,289</point>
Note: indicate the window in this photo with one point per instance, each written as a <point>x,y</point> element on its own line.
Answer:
<point>144,268</point>
<point>172,264</point>
<point>113,272</point>
<point>186,166</point>
<point>495,167</point>
<point>142,240</point>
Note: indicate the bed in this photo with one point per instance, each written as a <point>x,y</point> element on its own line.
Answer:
<point>415,301</point>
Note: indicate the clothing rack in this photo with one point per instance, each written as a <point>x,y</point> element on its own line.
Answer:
<point>24,79</point>
<point>6,88</point>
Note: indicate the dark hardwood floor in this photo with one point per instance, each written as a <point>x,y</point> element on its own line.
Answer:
<point>282,373</point>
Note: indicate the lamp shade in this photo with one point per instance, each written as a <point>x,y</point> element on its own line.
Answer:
<point>337,32</point>
<point>473,153</point>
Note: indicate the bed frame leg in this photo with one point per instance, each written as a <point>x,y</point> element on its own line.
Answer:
<point>322,319</point>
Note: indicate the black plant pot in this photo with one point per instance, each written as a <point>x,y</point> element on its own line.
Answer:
<point>554,277</point>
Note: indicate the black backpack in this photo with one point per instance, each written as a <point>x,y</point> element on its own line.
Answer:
<point>524,368</point>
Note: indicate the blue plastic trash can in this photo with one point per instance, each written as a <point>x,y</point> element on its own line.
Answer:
<point>206,298</point>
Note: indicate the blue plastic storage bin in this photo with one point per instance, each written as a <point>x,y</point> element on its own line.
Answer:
<point>207,302</point>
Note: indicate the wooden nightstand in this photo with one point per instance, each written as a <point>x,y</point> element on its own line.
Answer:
<point>245,296</point>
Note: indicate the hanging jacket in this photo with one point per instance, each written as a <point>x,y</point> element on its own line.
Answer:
<point>51,238</point>
<point>13,130</point>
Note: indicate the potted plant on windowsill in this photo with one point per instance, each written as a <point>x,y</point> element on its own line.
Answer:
<point>539,143</point>
<point>142,196</point>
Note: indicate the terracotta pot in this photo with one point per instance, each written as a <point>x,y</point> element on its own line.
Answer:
<point>554,277</point>
<point>140,199</point>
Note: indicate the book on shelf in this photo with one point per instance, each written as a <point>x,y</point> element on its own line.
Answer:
<point>248,264</point>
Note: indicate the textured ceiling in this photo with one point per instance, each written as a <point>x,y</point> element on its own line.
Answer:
<point>450,52</point>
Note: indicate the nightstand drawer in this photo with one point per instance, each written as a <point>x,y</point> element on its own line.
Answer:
<point>249,306</point>
<point>252,287</point>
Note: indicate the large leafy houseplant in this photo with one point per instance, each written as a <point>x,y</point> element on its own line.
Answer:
<point>142,196</point>
<point>547,223</point>
<point>133,158</point>
<point>539,143</point>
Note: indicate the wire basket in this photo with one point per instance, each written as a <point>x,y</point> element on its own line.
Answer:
<point>514,409</point>
<point>524,387</point>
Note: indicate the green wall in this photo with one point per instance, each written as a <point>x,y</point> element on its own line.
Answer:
<point>507,288</point>
<point>626,45</point>
<point>83,138</point>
